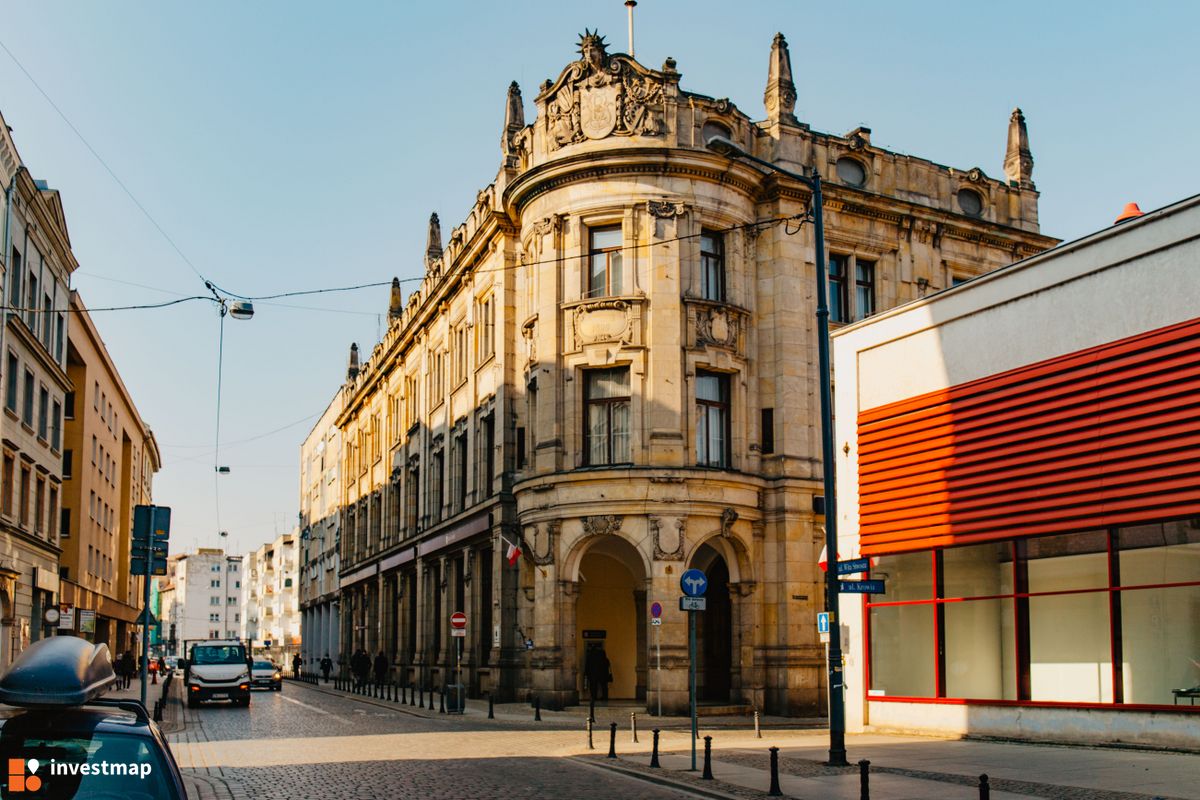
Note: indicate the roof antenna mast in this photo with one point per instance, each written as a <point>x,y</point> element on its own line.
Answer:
<point>629,4</point>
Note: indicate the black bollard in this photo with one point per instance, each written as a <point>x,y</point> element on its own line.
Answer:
<point>757,727</point>
<point>985,788</point>
<point>654,753</point>
<point>864,780</point>
<point>633,724</point>
<point>588,724</point>
<point>491,706</point>
<point>612,740</point>
<point>422,697</point>
<point>707,774</point>
<point>412,695</point>
<point>442,701</point>
<point>537,708</point>
<point>592,711</point>
<point>775,791</point>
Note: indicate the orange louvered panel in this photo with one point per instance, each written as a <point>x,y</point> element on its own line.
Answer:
<point>1105,436</point>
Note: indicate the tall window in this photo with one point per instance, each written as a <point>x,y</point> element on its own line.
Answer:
<point>864,288</point>
<point>27,410</point>
<point>839,310</point>
<point>850,299</point>
<point>712,266</point>
<point>24,509</point>
<point>460,471</point>
<point>485,325</point>
<point>51,512</point>
<point>487,448</point>
<point>60,327</point>
<point>604,261</point>
<point>14,291</point>
<point>14,368</point>
<point>43,426</point>
<point>606,402</point>
<point>39,506</point>
<point>712,419</point>
<point>412,499</point>
<point>437,485</point>
<point>10,466</point>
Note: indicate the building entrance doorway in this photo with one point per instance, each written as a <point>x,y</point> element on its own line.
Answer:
<point>610,620</point>
<point>714,630</point>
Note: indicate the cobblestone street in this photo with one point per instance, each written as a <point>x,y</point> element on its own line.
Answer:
<point>301,743</point>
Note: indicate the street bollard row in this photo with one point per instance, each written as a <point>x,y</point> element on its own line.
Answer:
<point>633,725</point>
<point>775,791</point>
<point>654,753</point>
<point>612,740</point>
<point>588,723</point>
<point>757,727</point>
<point>537,708</point>
<point>985,787</point>
<point>864,780</point>
<point>491,706</point>
<point>707,774</point>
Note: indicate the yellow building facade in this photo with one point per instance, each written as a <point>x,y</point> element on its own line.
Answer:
<point>611,365</point>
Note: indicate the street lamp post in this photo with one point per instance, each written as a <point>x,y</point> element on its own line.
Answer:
<point>837,706</point>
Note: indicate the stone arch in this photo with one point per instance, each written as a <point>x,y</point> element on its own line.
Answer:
<point>610,574</point>
<point>726,626</point>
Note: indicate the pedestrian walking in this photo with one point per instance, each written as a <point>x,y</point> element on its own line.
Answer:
<point>381,668</point>
<point>360,665</point>
<point>596,669</point>
<point>297,662</point>
<point>326,667</point>
<point>162,666</point>
<point>128,668</point>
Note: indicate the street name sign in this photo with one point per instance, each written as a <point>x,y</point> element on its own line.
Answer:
<point>692,604</point>
<point>861,587</point>
<point>853,565</point>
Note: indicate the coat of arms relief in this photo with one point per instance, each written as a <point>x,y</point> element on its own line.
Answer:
<point>602,95</point>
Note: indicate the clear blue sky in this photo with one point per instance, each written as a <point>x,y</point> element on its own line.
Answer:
<point>293,145</point>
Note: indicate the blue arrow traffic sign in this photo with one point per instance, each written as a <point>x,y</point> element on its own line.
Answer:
<point>861,587</point>
<point>823,622</point>
<point>693,583</point>
<point>853,565</point>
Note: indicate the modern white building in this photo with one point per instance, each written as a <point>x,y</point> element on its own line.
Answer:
<point>1017,456</point>
<point>270,612</point>
<point>201,598</point>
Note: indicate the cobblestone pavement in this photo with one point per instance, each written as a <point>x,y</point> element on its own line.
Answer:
<point>300,743</point>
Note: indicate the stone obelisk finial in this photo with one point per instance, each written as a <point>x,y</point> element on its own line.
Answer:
<point>780,96</point>
<point>514,117</point>
<point>396,301</point>
<point>433,245</point>
<point>352,368</point>
<point>1018,160</point>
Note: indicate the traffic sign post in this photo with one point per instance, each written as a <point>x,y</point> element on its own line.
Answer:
<point>151,532</point>
<point>458,630</point>
<point>693,582</point>
<point>656,621</point>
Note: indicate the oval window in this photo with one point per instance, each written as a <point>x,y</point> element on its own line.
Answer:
<point>851,171</point>
<point>970,202</point>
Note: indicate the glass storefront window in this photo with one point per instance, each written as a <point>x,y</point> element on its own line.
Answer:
<point>980,649</point>
<point>902,660</point>
<point>1070,658</point>
<point>1073,561</point>
<point>906,577</point>
<point>1161,643</point>
<point>1162,553</point>
<point>977,571</point>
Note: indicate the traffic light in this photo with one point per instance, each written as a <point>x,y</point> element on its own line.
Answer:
<point>151,533</point>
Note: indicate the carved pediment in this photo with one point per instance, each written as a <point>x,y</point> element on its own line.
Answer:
<point>603,95</point>
<point>611,319</point>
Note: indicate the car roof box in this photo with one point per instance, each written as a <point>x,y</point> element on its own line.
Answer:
<point>56,672</point>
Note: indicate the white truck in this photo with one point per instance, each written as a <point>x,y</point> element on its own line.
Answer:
<point>217,669</point>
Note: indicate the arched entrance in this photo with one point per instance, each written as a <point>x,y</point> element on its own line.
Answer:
<point>610,616</point>
<point>714,630</point>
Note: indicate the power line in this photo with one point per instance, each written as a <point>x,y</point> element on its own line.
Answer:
<point>142,307</point>
<point>103,163</point>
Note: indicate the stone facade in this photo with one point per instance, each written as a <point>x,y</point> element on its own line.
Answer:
<point>35,251</point>
<point>320,537</point>
<point>611,364</point>
<point>109,461</point>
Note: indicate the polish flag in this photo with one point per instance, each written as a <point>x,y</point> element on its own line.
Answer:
<point>513,554</point>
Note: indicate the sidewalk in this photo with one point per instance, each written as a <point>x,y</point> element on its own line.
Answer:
<point>918,768</point>
<point>576,716</point>
<point>172,718</point>
<point>902,767</point>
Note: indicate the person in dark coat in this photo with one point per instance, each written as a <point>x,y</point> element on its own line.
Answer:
<point>297,662</point>
<point>128,668</point>
<point>381,668</point>
<point>326,667</point>
<point>595,670</point>
<point>360,665</point>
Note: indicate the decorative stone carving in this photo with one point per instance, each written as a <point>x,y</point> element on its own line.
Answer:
<point>602,525</point>
<point>547,224</point>
<point>664,555</point>
<point>665,209</point>
<point>975,175</point>
<point>606,320</point>
<point>728,517</point>
<point>602,95</point>
<point>547,557</point>
<point>719,326</point>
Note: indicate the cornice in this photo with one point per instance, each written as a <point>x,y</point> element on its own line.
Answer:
<point>659,161</point>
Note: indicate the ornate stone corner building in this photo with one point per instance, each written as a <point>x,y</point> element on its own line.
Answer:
<point>610,365</point>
